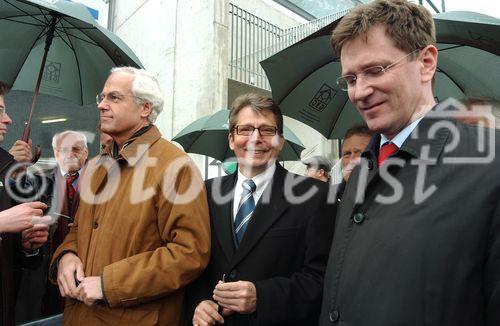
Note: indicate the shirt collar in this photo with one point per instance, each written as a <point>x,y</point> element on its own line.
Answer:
<point>261,180</point>
<point>400,138</point>
<point>63,173</point>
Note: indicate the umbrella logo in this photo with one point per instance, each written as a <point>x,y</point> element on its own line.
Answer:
<point>52,72</point>
<point>322,98</point>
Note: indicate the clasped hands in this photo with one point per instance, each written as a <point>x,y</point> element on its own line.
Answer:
<point>73,283</point>
<point>240,297</point>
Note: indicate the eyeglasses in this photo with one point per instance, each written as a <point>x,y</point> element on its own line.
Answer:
<point>65,150</point>
<point>2,111</point>
<point>245,130</point>
<point>369,75</point>
<point>113,97</point>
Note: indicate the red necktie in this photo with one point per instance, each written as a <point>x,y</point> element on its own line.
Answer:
<point>70,190</point>
<point>385,151</point>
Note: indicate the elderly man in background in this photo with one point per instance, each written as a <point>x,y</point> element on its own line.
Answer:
<point>141,232</point>
<point>58,188</point>
<point>23,230</point>
<point>318,167</point>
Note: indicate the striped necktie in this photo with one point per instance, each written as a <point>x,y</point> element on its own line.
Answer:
<point>245,210</point>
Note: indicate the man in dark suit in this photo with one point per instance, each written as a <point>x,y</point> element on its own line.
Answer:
<point>20,234</point>
<point>272,272</point>
<point>58,188</point>
<point>417,240</point>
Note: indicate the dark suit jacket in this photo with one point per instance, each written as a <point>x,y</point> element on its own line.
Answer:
<point>55,191</point>
<point>431,257</point>
<point>283,252</point>
<point>11,254</point>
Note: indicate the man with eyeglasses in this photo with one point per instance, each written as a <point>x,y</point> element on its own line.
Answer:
<point>59,188</point>
<point>417,240</point>
<point>23,230</point>
<point>271,231</point>
<point>141,232</point>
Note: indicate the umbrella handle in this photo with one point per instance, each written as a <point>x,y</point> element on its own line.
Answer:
<point>26,137</point>
<point>38,153</point>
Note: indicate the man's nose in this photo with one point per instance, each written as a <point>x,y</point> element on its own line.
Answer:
<point>103,105</point>
<point>6,119</point>
<point>256,135</point>
<point>360,91</point>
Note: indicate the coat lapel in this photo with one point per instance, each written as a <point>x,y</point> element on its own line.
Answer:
<point>269,209</point>
<point>223,214</point>
<point>417,146</point>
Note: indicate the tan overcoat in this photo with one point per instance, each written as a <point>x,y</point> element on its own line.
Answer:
<point>142,225</point>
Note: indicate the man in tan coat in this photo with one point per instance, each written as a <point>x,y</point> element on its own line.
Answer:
<point>141,232</point>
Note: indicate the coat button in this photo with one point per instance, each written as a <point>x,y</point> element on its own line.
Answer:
<point>95,225</point>
<point>334,316</point>
<point>358,218</point>
<point>233,274</point>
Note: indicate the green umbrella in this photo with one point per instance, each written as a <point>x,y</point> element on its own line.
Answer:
<point>55,47</point>
<point>208,136</point>
<point>302,77</point>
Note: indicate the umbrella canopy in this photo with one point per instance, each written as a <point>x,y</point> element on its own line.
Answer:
<point>208,136</point>
<point>302,77</point>
<point>79,57</point>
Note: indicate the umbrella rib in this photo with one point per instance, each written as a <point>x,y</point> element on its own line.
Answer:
<point>305,77</point>
<point>24,23</point>
<point>451,48</point>
<point>75,36</point>
<point>72,47</point>
<point>110,55</point>
<point>40,35</point>
<point>75,27</point>
<point>454,82</point>
<point>337,118</point>
<point>28,14</point>
<point>61,36</point>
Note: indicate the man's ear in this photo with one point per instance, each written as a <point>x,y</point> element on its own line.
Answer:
<point>428,57</point>
<point>147,109</point>
<point>230,139</point>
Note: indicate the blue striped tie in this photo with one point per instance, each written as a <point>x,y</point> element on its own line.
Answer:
<point>245,210</point>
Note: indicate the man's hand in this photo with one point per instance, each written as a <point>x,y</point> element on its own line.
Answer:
<point>20,217</point>
<point>90,290</point>
<point>206,314</point>
<point>35,237</point>
<point>238,296</point>
<point>69,270</point>
<point>21,151</point>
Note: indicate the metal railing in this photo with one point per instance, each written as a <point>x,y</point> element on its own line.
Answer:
<point>254,39</point>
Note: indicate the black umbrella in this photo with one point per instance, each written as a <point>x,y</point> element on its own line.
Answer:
<point>56,48</point>
<point>302,77</point>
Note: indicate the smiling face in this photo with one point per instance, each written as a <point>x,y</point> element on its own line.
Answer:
<point>255,152</point>
<point>4,119</point>
<point>399,96</point>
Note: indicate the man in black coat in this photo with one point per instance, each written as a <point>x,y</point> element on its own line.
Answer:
<point>22,228</point>
<point>417,239</point>
<point>272,273</point>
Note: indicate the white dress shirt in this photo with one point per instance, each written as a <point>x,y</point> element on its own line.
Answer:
<point>261,181</point>
<point>400,138</point>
